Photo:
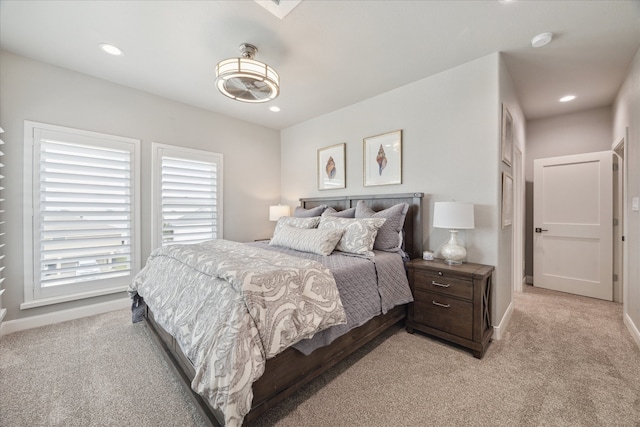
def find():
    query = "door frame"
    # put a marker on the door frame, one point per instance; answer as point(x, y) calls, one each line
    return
point(617, 147)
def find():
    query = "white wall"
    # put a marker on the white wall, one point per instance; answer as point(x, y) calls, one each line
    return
point(36, 91)
point(450, 125)
point(506, 235)
point(576, 133)
point(626, 114)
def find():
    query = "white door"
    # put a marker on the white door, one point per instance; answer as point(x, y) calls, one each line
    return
point(572, 214)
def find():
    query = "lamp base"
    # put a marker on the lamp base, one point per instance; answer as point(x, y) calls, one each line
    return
point(452, 252)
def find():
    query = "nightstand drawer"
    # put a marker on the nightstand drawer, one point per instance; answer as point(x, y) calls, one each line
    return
point(444, 284)
point(446, 314)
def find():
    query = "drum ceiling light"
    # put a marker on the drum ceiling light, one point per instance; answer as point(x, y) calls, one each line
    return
point(245, 79)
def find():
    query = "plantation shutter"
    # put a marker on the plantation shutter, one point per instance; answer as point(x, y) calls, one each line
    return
point(83, 227)
point(189, 199)
point(3, 311)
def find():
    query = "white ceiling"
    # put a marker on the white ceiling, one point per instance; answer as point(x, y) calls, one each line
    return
point(331, 54)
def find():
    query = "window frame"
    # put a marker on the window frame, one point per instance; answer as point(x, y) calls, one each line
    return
point(159, 150)
point(34, 294)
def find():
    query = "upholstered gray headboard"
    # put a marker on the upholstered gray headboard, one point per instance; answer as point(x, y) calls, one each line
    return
point(412, 223)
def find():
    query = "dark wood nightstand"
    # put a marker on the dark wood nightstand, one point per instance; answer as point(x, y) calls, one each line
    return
point(452, 302)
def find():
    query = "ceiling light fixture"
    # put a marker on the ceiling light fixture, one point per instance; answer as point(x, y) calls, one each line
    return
point(274, 108)
point(567, 98)
point(247, 80)
point(541, 39)
point(111, 49)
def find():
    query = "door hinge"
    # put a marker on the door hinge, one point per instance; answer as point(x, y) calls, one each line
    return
point(615, 277)
point(615, 222)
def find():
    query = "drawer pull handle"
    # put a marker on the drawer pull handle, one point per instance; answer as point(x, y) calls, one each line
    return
point(442, 285)
point(441, 305)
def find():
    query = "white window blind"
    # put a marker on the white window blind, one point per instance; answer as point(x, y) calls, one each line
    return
point(189, 195)
point(3, 311)
point(84, 215)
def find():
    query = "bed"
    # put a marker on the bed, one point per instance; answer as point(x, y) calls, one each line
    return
point(291, 369)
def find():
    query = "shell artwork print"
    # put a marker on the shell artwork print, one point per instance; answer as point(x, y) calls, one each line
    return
point(381, 158)
point(331, 168)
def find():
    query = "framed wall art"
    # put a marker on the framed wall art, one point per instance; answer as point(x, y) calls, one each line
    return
point(507, 135)
point(507, 199)
point(332, 167)
point(383, 159)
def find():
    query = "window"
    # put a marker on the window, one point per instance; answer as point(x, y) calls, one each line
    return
point(187, 195)
point(82, 228)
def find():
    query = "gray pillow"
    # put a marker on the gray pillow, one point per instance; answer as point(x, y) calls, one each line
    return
point(300, 212)
point(359, 234)
point(321, 242)
point(296, 222)
point(389, 236)
point(347, 213)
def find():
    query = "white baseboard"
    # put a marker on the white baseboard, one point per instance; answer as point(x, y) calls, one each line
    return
point(499, 330)
point(635, 333)
point(16, 325)
point(528, 280)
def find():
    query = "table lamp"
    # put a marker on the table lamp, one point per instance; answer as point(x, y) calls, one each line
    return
point(454, 216)
point(277, 211)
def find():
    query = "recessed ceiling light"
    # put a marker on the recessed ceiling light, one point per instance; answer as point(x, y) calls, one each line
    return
point(567, 98)
point(111, 49)
point(541, 39)
point(274, 108)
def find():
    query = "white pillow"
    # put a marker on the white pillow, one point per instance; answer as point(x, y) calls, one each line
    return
point(321, 242)
point(296, 222)
point(359, 233)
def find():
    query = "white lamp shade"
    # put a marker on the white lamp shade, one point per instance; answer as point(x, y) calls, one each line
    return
point(277, 211)
point(453, 215)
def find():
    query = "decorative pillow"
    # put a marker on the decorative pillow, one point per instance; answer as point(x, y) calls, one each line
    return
point(296, 222)
point(389, 236)
point(359, 234)
point(300, 212)
point(347, 213)
point(321, 242)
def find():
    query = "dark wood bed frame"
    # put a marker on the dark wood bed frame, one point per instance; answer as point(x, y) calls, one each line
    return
point(291, 370)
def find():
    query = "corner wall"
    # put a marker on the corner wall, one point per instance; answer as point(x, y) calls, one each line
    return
point(508, 236)
point(32, 90)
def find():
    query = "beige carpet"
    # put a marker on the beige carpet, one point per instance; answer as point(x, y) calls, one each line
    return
point(565, 361)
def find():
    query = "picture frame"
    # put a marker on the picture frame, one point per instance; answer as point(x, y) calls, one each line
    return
point(507, 135)
point(507, 200)
point(332, 167)
point(382, 155)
